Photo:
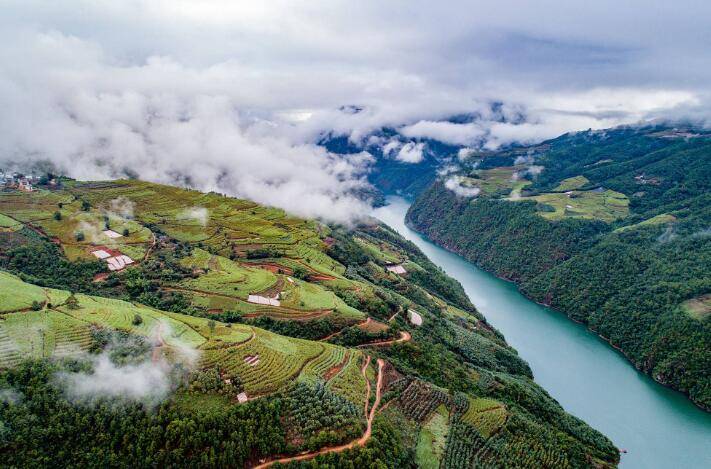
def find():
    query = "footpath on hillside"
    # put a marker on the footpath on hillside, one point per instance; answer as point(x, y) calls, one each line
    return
point(360, 441)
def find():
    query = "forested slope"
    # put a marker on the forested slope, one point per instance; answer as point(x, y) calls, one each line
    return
point(615, 231)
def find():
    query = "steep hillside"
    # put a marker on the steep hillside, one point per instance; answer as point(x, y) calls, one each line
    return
point(304, 341)
point(610, 227)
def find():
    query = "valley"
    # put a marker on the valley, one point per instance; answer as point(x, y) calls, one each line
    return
point(319, 342)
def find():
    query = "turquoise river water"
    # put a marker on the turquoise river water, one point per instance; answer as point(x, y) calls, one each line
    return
point(658, 427)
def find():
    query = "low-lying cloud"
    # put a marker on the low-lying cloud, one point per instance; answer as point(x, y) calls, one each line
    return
point(454, 184)
point(121, 207)
point(411, 152)
point(198, 214)
point(147, 382)
point(236, 104)
point(10, 396)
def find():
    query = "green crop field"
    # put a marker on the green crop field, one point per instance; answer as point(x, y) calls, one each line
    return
point(330, 359)
point(384, 256)
point(281, 360)
point(349, 381)
point(16, 294)
point(225, 276)
point(607, 206)
point(66, 331)
point(8, 224)
point(432, 439)
point(486, 415)
point(661, 219)
point(495, 181)
point(569, 184)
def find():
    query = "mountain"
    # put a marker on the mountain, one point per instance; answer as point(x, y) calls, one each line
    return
point(407, 159)
point(611, 227)
point(149, 325)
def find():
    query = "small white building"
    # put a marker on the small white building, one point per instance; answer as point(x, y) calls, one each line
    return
point(414, 317)
point(263, 300)
point(111, 234)
point(397, 269)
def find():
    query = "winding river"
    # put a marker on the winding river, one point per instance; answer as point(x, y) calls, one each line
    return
point(658, 427)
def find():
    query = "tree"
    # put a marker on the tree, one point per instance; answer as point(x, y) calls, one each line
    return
point(57, 215)
point(211, 324)
point(85, 206)
point(72, 302)
point(137, 320)
point(36, 305)
point(125, 231)
point(79, 236)
point(300, 273)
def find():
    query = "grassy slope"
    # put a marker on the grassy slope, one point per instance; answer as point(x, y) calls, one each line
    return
point(63, 330)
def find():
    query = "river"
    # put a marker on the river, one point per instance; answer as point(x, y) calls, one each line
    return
point(660, 428)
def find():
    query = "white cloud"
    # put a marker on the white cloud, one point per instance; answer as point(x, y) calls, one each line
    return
point(198, 214)
point(147, 382)
point(454, 184)
point(447, 132)
point(231, 96)
point(465, 153)
point(9, 396)
point(411, 152)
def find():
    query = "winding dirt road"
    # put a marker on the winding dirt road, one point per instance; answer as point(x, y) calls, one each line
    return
point(404, 337)
point(360, 441)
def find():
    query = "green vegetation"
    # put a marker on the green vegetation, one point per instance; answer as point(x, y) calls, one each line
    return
point(572, 183)
point(183, 307)
point(432, 440)
point(626, 252)
point(606, 206)
point(486, 415)
point(16, 295)
point(661, 219)
point(698, 308)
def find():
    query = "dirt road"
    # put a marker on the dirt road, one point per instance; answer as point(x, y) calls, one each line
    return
point(360, 441)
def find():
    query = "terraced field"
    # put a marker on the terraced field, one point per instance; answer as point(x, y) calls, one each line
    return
point(17, 295)
point(329, 362)
point(607, 205)
point(349, 381)
point(281, 360)
point(572, 183)
point(8, 224)
point(225, 276)
point(264, 361)
point(486, 415)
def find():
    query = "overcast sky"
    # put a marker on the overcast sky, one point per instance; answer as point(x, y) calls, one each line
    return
point(231, 95)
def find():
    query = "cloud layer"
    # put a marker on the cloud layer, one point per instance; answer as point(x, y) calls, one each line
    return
point(232, 96)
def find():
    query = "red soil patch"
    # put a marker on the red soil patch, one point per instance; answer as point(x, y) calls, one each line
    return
point(271, 267)
point(100, 277)
point(404, 337)
point(336, 368)
point(321, 277)
point(373, 326)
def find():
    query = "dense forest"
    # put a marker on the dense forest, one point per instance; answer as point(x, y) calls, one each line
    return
point(629, 279)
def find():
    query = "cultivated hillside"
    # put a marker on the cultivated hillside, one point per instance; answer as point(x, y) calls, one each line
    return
point(611, 227)
point(230, 334)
